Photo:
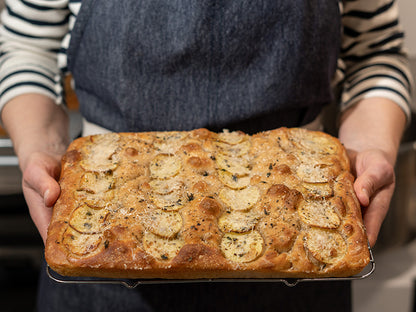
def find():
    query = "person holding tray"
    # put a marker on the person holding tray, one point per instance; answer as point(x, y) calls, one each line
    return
point(179, 65)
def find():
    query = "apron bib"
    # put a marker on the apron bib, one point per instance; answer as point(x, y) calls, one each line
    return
point(154, 65)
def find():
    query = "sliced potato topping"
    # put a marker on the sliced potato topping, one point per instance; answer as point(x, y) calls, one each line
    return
point(88, 220)
point(233, 181)
point(164, 166)
point(326, 246)
point(317, 190)
point(238, 221)
point(314, 173)
point(164, 187)
point(238, 149)
point(101, 153)
point(97, 182)
point(236, 165)
point(169, 142)
point(163, 223)
point(240, 199)
point(272, 195)
point(161, 248)
point(320, 144)
point(99, 200)
point(94, 163)
point(80, 244)
point(243, 248)
point(314, 159)
point(319, 213)
point(232, 138)
point(169, 202)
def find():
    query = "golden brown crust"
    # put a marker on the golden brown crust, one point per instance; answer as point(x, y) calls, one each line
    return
point(199, 204)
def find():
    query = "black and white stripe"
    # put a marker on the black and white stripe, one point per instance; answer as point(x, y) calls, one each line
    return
point(372, 53)
point(30, 38)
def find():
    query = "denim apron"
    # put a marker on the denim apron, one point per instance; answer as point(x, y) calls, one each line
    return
point(179, 64)
point(251, 65)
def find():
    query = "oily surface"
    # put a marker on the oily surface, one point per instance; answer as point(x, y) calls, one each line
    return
point(200, 204)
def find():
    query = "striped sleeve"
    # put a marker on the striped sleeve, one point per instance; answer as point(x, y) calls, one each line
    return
point(30, 39)
point(373, 60)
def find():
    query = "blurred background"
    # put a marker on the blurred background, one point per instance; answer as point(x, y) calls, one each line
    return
point(391, 288)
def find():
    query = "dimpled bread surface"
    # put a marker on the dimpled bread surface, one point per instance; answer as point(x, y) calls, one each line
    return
point(199, 204)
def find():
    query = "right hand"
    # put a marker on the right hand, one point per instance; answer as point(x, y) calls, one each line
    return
point(40, 187)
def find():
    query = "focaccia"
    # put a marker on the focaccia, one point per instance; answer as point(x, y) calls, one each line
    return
point(200, 204)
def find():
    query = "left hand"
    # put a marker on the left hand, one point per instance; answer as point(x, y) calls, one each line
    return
point(374, 187)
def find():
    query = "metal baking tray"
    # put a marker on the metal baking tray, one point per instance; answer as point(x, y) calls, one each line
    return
point(133, 283)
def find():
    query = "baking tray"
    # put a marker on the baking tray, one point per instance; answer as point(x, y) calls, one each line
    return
point(133, 283)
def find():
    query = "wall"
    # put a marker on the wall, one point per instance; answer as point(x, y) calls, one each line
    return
point(408, 20)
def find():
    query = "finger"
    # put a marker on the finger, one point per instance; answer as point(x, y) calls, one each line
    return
point(41, 191)
point(375, 213)
point(352, 155)
point(40, 214)
point(374, 178)
point(40, 188)
point(40, 181)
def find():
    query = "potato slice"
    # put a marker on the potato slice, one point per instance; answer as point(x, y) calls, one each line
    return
point(326, 246)
point(96, 182)
point(242, 199)
point(317, 190)
point(165, 166)
point(231, 138)
point(236, 165)
point(161, 248)
point(312, 143)
point(88, 220)
point(80, 244)
point(242, 248)
point(100, 200)
point(320, 213)
point(163, 223)
point(169, 142)
point(238, 149)
point(169, 202)
point(94, 163)
point(238, 221)
point(233, 181)
point(314, 173)
point(164, 187)
point(101, 153)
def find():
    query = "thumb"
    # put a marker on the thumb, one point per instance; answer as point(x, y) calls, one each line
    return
point(42, 180)
point(371, 180)
point(41, 191)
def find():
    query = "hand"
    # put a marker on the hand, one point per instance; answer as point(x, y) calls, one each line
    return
point(39, 131)
point(371, 131)
point(374, 187)
point(40, 188)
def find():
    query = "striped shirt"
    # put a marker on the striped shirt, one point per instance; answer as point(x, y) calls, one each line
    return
point(35, 35)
